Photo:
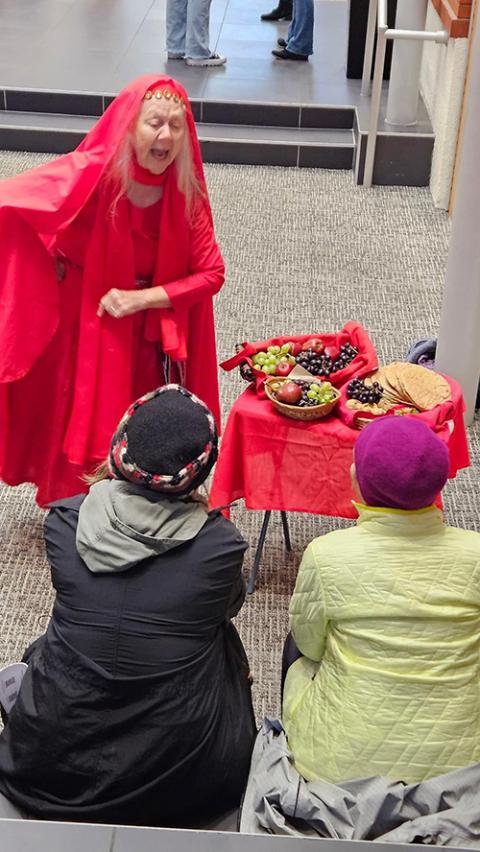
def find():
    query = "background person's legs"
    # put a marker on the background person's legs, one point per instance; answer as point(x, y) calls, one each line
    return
point(198, 29)
point(176, 27)
point(282, 12)
point(300, 31)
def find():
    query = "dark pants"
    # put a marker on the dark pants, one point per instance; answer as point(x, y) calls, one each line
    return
point(290, 654)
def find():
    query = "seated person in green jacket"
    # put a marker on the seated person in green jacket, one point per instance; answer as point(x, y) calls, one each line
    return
point(386, 616)
point(136, 703)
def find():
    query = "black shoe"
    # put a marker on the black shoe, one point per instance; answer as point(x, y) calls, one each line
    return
point(275, 15)
point(287, 54)
point(283, 12)
point(281, 42)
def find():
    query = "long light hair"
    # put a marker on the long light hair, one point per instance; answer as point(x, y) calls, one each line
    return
point(118, 171)
point(98, 474)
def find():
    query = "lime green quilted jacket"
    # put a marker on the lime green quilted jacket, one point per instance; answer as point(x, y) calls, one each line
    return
point(387, 616)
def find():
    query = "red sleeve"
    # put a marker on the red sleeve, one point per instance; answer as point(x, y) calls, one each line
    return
point(207, 270)
point(29, 310)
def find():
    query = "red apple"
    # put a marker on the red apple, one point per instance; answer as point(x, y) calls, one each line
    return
point(290, 393)
point(283, 368)
point(332, 352)
point(315, 343)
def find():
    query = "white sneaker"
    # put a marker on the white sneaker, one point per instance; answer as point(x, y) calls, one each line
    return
point(171, 55)
point(213, 59)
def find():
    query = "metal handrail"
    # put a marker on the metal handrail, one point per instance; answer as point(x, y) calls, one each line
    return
point(377, 14)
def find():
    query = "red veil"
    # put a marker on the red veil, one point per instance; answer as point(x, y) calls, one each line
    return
point(37, 206)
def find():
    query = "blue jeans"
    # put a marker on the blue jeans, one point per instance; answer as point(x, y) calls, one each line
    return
point(188, 28)
point(300, 31)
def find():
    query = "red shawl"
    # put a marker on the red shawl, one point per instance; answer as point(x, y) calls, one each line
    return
point(37, 205)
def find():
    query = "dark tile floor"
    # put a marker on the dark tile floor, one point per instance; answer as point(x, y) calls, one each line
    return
point(99, 45)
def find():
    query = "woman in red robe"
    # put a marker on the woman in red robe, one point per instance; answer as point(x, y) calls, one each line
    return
point(109, 266)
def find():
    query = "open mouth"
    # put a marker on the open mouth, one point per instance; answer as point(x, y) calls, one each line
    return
point(159, 155)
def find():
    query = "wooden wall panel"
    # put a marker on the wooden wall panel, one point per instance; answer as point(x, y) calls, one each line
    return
point(455, 16)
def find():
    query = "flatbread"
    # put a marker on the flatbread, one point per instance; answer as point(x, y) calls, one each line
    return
point(389, 391)
point(412, 385)
point(423, 387)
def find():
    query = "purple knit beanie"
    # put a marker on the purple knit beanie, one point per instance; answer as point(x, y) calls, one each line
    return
point(400, 463)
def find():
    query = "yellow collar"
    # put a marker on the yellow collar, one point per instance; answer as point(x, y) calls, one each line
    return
point(361, 507)
point(400, 521)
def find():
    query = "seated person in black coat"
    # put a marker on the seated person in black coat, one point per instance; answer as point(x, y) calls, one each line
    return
point(136, 707)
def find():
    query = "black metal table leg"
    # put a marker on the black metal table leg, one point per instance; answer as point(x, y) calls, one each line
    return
point(258, 553)
point(286, 531)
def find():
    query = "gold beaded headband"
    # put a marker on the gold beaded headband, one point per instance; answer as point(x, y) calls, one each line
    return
point(164, 93)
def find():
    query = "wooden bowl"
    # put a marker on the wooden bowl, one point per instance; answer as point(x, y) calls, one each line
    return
point(310, 412)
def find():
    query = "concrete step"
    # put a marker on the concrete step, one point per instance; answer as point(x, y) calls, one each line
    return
point(306, 146)
point(216, 111)
point(42, 132)
point(277, 146)
point(250, 132)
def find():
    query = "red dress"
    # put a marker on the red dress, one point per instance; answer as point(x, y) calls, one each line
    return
point(67, 376)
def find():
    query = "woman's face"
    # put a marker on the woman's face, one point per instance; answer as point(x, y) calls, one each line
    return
point(159, 134)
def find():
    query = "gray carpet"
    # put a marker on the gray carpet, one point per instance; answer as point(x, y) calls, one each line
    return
point(305, 251)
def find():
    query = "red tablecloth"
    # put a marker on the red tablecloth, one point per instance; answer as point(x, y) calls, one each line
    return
point(278, 463)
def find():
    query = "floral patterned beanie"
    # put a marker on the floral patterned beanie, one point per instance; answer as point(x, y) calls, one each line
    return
point(167, 441)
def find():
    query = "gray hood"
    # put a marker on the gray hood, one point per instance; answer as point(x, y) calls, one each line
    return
point(121, 524)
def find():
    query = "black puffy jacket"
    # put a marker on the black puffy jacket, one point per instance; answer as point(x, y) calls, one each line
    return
point(136, 704)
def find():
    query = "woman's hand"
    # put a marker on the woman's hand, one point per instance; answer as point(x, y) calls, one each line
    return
point(122, 303)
